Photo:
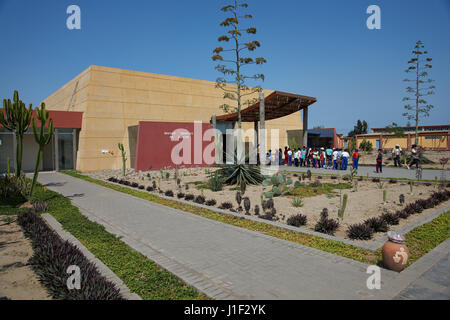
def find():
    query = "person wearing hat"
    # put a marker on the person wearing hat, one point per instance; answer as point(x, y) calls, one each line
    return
point(396, 152)
point(355, 158)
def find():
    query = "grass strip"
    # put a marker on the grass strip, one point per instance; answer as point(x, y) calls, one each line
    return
point(140, 274)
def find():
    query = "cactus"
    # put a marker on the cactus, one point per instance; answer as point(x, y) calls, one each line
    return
point(8, 170)
point(256, 210)
point(15, 117)
point(41, 138)
point(411, 186)
point(247, 205)
point(402, 198)
point(124, 157)
point(238, 198)
point(344, 205)
point(279, 184)
point(243, 186)
point(384, 195)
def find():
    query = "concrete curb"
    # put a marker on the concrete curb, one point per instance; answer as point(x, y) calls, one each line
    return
point(369, 245)
point(102, 268)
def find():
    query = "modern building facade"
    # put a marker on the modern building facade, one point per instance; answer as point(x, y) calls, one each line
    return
point(113, 102)
point(59, 154)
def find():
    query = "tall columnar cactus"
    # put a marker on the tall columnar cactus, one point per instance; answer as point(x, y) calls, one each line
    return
point(41, 138)
point(124, 157)
point(342, 209)
point(8, 170)
point(16, 118)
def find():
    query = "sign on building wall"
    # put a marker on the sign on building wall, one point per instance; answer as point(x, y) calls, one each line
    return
point(170, 144)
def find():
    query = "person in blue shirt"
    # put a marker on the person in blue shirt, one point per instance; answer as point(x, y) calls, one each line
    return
point(302, 157)
point(329, 153)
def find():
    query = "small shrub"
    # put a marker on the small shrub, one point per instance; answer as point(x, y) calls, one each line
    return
point(211, 202)
point(200, 199)
point(135, 184)
point(326, 225)
point(149, 188)
point(427, 184)
point(377, 224)
point(297, 202)
point(141, 187)
point(333, 177)
point(390, 218)
point(269, 215)
point(189, 197)
point(51, 258)
point(168, 193)
point(403, 214)
point(226, 205)
point(40, 206)
point(180, 195)
point(392, 181)
point(215, 184)
point(297, 220)
point(376, 180)
point(127, 183)
point(360, 232)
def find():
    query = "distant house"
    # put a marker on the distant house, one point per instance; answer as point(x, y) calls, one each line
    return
point(435, 137)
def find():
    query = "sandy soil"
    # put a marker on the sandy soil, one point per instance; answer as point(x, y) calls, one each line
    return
point(370, 159)
point(362, 204)
point(17, 280)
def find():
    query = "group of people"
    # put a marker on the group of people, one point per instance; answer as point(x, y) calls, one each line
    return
point(334, 158)
point(329, 158)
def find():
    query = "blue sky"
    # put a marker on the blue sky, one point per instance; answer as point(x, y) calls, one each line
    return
point(318, 48)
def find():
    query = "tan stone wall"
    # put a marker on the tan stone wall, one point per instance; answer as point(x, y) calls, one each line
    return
point(114, 99)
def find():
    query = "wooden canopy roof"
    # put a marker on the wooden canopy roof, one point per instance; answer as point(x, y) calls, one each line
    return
point(277, 104)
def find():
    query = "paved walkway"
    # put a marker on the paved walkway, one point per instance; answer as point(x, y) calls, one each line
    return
point(221, 260)
point(427, 174)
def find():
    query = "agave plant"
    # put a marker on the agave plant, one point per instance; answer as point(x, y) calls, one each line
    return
point(234, 174)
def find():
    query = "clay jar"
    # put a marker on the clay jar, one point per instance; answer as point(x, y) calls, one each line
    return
point(395, 253)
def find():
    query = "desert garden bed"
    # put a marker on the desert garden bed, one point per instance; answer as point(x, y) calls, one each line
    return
point(343, 206)
point(140, 274)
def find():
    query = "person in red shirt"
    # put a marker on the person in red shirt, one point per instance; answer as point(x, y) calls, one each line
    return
point(322, 157)
point(285, 156)
point(355, 158)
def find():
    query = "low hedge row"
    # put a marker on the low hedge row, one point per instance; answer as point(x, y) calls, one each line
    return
point(51, 258)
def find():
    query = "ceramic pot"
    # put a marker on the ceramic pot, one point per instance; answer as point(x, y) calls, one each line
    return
point(395, 253)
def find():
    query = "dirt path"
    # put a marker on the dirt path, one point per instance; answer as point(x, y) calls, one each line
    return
point(17, 280)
